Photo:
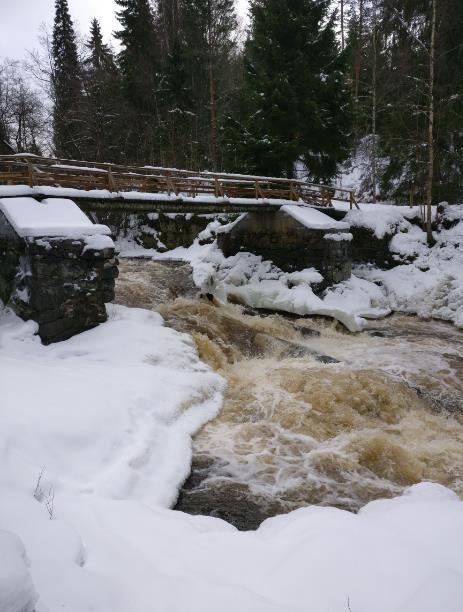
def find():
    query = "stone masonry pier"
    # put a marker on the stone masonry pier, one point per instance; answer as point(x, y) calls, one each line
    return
point(56, 267)
point(294, 238)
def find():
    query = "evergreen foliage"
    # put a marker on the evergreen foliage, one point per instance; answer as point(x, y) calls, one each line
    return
point(103, 103)
point(5, 147)
point(140, 67)
point(182, 93)
point(66, 85)
point(402, 89)
point(295, 104)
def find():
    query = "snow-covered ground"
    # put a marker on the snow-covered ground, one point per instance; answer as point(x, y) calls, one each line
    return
point(427, 281)
point(94, 442)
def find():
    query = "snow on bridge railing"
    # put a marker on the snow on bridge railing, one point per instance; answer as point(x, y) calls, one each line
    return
point(27, 169)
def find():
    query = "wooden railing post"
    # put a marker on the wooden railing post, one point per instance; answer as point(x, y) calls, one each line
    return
point(170, 185)
point(353, 201)
point(292, 192)
point(218, 189)
point(30, 170)
point(111, 181)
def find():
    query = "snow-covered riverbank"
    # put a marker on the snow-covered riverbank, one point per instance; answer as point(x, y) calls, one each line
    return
point(427, 281)
point(108, 416)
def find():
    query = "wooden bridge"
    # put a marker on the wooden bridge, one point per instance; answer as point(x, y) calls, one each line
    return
point(147, 188)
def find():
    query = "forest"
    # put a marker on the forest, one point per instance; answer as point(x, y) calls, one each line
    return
point(308, 88)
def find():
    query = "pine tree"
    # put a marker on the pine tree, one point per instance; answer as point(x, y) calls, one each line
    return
point(102, 104)
point(140, 67)
point(175, 92)
point(66, 85)
point(295, 105)
point(209, 35)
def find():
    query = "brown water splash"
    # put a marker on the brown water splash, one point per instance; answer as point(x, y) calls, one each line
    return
point(295, 430)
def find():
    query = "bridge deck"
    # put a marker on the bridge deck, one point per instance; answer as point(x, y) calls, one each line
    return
point(131, 187)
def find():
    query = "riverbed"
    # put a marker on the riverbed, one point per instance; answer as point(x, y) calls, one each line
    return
point(312, 414)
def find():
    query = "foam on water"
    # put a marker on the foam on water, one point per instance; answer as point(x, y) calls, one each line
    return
point(295, 430)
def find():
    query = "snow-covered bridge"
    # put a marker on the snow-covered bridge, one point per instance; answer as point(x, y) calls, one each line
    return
point(290, 222)
point(102, 186)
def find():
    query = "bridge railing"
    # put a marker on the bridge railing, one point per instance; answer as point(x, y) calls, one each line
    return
point(24, 169)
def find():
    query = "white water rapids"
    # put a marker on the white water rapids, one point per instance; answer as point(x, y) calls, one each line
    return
point(312, 414)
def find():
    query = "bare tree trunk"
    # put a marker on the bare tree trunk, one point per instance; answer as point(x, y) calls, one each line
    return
point(212, 96)
point(357, 68)
point(430, 179)
point(342, 25)
point(374, 178)
point(213, 116)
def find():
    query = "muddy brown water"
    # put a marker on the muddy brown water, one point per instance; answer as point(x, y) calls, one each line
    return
point(312, 414)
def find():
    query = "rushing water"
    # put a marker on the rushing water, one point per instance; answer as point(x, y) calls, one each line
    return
point(313, 414)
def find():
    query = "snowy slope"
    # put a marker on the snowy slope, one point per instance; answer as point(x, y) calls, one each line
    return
point(108, 417)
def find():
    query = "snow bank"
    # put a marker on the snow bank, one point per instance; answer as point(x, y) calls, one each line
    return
point(50, 217)
point(427, 281)
point(248, 279)
point(17, 593)
point(95, 433)
point(430, 281)
point(380, 218)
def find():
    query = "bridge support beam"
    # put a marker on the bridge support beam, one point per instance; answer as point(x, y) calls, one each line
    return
point(291, 245)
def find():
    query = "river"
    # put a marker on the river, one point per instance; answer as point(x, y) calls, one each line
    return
point(313, 414)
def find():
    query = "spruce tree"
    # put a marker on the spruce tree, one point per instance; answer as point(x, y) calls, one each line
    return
point(175, 93)
point(295, 105)
point(403, 40)
point(140, 68)
point(100, 55)
point(209, 28)
point(102, 104)
point(66, 85)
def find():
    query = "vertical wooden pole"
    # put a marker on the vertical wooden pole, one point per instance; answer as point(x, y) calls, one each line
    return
point(30, 170)
point(111, 182)
point(292, 191)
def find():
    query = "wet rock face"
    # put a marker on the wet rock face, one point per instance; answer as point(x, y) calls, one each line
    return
point(60, 283)
point(156, 230)
point(230, 501)
point(367, 248)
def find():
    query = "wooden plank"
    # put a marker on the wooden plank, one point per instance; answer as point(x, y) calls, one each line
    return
point(91, 175)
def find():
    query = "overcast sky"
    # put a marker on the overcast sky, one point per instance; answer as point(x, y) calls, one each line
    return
point(20, 21)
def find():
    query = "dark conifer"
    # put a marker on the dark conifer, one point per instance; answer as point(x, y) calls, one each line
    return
point(140, 70)
point(103, 103)
point(209, 28)
point(295, 104)
point(66, 85)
